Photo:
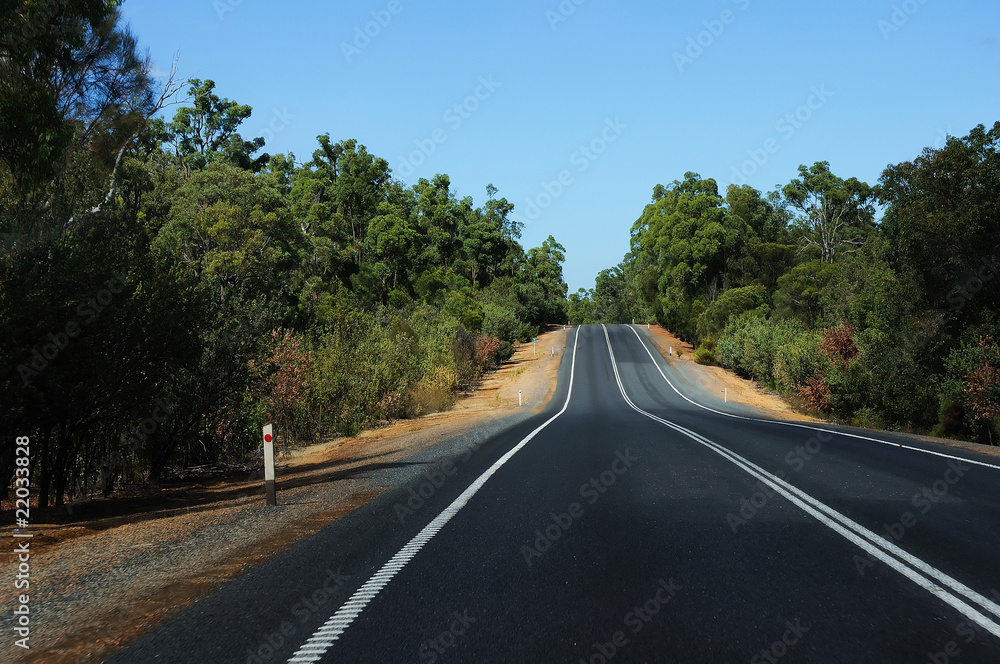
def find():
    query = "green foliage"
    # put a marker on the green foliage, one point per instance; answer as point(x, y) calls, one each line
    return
point(970, 388)
point(797, 360)
point(325, 297)
point(834, 215)
point(800, 291)
point(206, 131)
point(732, 303)
point(704, 355)
point(750, 344)
point(942, 222)
point(878, 323)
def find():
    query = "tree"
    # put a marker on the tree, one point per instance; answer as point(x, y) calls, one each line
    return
point(580, 308)
point(488, 236)
point(388, 243)
point(543, 290)
point(207, 131)
point(75, 96)
point(834, 214)
point(732, 303)
point(438, 221)
point(800, 292)
point(942, 223)
point(685, 238)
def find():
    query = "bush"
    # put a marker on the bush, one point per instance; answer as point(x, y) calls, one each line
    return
point(703, 356)
point(706, 352)
point(433, 393)
point(733, 302)
point(868, 418)
point(816, 393)
point(750, 345)
point(501, 321)
point(796, 361)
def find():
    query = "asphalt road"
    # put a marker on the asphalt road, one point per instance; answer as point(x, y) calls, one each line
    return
point(627, 523)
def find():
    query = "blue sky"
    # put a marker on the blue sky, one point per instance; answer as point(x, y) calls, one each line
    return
point(580, 107)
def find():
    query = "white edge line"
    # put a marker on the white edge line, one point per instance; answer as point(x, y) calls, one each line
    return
point(805, 426)
point(823, 514)
point(322, 640)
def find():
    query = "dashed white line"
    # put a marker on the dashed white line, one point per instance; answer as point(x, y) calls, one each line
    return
point(322, 640)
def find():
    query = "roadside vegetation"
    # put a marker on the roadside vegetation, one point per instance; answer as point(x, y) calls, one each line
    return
point(875, 305)
point(166, 286)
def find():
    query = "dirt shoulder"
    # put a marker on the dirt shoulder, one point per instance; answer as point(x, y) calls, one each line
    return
point(717, 379)
point(769, 404)
point(114, 569)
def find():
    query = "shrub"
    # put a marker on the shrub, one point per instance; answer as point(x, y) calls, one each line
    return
point(733, 303)
point(868, 418)
point(837, 344)
point(501, 320)
point(796, 361)
point(816, 393)
point(705, 353)
point(433, 393)
point(750, 345)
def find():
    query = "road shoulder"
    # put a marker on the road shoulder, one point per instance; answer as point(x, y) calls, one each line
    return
point(105, 582)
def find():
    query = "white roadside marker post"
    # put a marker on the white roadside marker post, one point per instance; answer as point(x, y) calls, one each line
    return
point(519, 398)
point(725, 394)
point(269, 465)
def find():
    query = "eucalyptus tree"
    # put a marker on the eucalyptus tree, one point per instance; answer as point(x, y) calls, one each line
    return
point(833, 215)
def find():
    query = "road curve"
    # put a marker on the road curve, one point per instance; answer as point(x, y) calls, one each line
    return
point(629, 523)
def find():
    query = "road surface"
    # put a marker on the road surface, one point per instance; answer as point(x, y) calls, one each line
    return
point(629, 523)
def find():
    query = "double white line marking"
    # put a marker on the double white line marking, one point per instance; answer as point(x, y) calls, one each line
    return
point(952, 592)
point(804, 426)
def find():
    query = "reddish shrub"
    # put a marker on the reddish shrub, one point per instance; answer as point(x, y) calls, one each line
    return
point(837, 344)
point(486, 352)
point(816, 393)
point(982, 384)
point(284, 376)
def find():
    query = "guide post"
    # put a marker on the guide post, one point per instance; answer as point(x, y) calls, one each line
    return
point(269, 464)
